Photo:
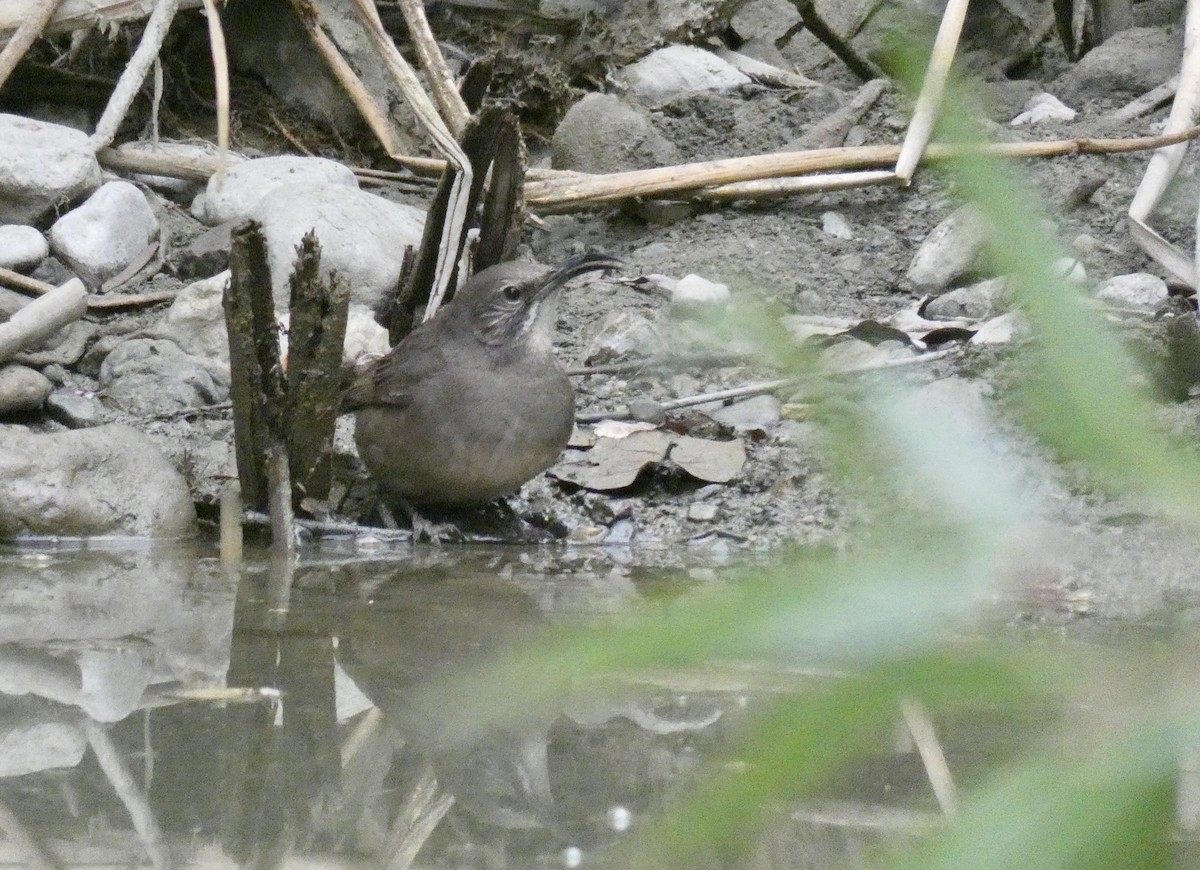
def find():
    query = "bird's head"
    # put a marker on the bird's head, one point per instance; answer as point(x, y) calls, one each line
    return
point(514, 303)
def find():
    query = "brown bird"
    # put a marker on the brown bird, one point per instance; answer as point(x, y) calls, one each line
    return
point(473, 402)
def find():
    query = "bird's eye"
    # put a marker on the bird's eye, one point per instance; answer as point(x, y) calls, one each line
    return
point(512, 293)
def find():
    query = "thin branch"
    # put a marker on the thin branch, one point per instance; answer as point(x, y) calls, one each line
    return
point(136, 804)
point(929, 101)
point(135, 73)
point(816, 25)
point(220, 62)
point(580, 188)
point(42, 317)
point(31, 28)
point(454, 110)
point(924, 735)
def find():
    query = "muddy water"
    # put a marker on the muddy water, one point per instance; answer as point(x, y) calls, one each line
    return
point(159, 711)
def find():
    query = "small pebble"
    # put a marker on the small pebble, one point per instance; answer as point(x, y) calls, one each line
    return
point(587, 535)
point(694, 290)
point(1071, 269)
point(21, 247)
point(619, 818)
point(833, 224)
point(647, 411)
point(702, 511)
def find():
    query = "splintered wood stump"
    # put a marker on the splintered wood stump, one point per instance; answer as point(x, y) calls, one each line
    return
point(492, 143)
point(257, 387)
point(314, 366)
point(279, 406)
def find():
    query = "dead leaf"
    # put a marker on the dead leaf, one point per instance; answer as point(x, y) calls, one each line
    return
point(613, 463)
point(711, 461)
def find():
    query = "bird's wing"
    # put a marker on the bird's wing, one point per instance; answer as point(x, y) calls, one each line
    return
point(392, 379)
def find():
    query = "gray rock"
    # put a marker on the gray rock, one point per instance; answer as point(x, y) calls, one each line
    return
point(267, 40)
point(234, 195)
point(977, 302)
point(10, 303)
point(33, 738)
point(624, 335)
point(21, 246)
point(950, 251)
point(1139, 290)
point(676, 71)
point(766, 20)
point(103, 236)
point(1006, 98)
point(702, 512)
point(362, 236)
point(53, 271)
point(1130, 62)
point(196, 319)
point(155, 376)
point(22, 390)
point(207, 254)
point(601, 133)
point(73, 409)
point(576, 8)
point(42, 167)
point(106, 480)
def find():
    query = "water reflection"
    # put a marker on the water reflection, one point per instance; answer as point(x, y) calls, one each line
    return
point(158, 712)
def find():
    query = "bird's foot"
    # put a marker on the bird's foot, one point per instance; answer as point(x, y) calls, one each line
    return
point(426, 530)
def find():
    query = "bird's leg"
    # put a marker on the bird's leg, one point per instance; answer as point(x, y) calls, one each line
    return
point(424, 529)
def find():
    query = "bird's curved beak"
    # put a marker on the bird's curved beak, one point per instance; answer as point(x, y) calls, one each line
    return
point(574, 267)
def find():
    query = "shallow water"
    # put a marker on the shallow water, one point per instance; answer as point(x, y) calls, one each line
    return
point(158, 710)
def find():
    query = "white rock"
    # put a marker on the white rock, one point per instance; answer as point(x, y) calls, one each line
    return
point(1044, 107)
point(362, 236)
point(42, 167)
point(196, 322)
point(833, 224)
point(196, 319)
point(103, 236)
point(999, 330)
point(234, 194)
point(21, 246)
point(950, 251)
point(1137, 290)
point(694, 290)
point(973, 303)
point(678, 70)
point(1071, 269)
point(363, 335)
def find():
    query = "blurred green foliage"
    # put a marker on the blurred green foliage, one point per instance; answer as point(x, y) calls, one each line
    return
point(901, 613)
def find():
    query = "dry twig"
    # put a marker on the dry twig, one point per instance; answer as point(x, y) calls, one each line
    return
point(42, 317)
point(920, 127)
point(578, 188)
point(135, 73)
point(31, 28)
